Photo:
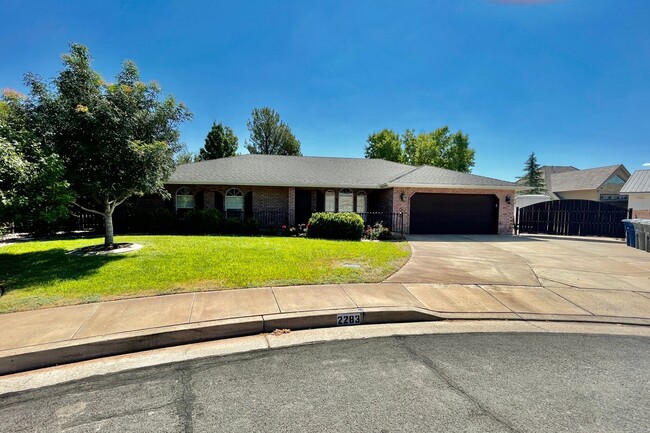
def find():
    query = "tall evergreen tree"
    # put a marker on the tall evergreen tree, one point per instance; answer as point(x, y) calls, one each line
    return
point(533, 176)
point(221, 142)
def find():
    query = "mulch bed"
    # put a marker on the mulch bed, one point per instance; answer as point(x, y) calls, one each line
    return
point(94, 250)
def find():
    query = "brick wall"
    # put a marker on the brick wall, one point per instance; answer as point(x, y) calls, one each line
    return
point(506, 211)
point(641, 213)
point(264, 197)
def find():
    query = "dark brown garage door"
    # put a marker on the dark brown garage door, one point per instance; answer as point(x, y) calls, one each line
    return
point(454, 214)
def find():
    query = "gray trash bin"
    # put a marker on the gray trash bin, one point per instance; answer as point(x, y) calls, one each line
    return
point(639, 234)
point(645, 225)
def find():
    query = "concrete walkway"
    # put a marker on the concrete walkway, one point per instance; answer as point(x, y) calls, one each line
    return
point(526, 279)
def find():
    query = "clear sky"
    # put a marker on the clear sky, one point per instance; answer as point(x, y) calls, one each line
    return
point(568, 79)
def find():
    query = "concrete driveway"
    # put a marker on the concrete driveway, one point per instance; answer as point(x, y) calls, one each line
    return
point(546, 261)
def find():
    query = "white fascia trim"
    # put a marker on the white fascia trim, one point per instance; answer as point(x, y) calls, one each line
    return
point(426, 185)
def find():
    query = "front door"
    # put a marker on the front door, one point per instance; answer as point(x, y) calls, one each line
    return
point(303, 206)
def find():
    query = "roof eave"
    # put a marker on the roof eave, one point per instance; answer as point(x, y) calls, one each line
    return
point(447, 186)
point(278, 185)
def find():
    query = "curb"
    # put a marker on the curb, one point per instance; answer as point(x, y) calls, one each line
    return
point(51, 354)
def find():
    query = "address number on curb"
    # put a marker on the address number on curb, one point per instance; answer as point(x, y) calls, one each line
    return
point(348, 319)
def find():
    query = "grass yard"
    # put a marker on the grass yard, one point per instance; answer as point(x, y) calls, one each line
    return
point(41, 274)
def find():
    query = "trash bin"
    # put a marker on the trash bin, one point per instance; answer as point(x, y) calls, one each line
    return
point(629, 233)
point(639, 234)
point(645, 224)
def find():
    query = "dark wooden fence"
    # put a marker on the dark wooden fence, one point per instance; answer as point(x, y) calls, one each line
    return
point(572, 218)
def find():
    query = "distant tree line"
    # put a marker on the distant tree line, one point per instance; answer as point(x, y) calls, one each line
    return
point(268, 135)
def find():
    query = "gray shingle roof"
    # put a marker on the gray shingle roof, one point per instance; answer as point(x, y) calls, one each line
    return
point(439, 177)
point(550, 170)
point(322, 172)
point(638, 182)
point(591, 178)
point(277, 170)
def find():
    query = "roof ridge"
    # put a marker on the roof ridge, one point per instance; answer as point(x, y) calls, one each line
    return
point(405, 173)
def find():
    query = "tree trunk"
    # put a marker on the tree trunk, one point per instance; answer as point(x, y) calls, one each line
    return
point(108, 222)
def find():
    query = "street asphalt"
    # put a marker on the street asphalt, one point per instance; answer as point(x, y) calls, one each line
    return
point(490, 382)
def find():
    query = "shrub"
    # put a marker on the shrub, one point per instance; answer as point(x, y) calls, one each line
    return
point(232, 226)
point(206, 221)
point(378, 232)
point(251, 226)
point(345, 225)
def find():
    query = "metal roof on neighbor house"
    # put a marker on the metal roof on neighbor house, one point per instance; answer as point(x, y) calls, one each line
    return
point(638, 182)
point(591, 178)
point(322, 172)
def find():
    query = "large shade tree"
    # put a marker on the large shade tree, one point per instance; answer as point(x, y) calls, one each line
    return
point(384, 144)
point(269, 135)
point(440, 148)
point(115, 140)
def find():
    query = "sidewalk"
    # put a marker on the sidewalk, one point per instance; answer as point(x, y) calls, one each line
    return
point(40, 338)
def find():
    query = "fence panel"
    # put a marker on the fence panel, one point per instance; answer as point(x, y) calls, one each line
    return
point(572, 218)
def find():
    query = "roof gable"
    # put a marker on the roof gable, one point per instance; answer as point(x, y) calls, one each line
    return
point(588, 179)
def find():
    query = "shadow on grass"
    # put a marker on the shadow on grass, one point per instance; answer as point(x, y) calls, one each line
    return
point(19, 271)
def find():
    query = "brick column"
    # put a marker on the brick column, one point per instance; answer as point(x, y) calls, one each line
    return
point(292, 206)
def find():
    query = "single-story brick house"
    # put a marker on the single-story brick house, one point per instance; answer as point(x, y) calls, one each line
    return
point(427, 199)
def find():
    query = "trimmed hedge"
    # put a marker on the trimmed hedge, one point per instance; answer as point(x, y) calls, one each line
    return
point(328, 225)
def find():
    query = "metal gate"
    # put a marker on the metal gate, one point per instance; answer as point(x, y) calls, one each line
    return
point(572, 218)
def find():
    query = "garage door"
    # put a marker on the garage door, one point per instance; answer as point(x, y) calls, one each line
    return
point(454, 214)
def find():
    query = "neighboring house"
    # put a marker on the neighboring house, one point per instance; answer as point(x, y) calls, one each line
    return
point(637, 188)
point(596, 184)
point(431, 199)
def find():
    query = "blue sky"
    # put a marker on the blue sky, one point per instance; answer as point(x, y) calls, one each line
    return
point(569, 80)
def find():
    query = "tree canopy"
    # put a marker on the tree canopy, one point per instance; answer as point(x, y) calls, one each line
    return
point(440, 148)
point(533, 176)
point(221, 142)
point(386, 145)
point(269, 135)
point(115, 140)
point(33, 191)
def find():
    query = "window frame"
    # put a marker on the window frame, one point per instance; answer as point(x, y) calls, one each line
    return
point(187, 193)
point(233, 193)
point(365, 202)
point(332, 196)
point(346, 193)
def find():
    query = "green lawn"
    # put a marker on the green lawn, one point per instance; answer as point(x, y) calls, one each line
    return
point(41, 274)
